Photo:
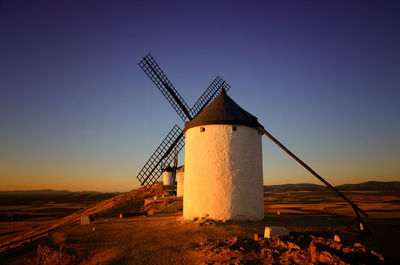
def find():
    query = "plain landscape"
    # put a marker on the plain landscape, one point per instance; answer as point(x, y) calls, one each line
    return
point(153, 232)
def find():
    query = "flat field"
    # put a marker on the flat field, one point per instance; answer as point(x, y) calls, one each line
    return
point(166, 239)
point(377, 204)
point(19, 213)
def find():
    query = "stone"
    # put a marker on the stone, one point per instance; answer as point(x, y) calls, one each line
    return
point(361, 227)
point(358, 245)
point(292, 246)
point(326, 257)
point(347, 249)
point(377, 254)
point(289, 250)
point(151, 212)
point(335, 245)
point(312, 250)
point(86, 219)
point(271, 231)
point(281, 245)
point(255, 237)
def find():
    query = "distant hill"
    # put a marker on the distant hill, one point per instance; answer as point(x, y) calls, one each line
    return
point(370, 185)
point(294, 187)
point(46, 192)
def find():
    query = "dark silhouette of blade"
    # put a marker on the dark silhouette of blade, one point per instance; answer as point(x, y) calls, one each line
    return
point(209, 95)
point(153, 70)
point(153, 168)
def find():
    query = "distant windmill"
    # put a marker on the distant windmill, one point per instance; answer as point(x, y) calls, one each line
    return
point(175, 167)
point(169, 175)
point(174, 141)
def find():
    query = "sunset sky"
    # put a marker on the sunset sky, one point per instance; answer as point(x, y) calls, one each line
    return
point(78, 113)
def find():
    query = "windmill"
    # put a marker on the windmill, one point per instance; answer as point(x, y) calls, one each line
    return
point(175, 167)
point(165, 153)
point(223, 156)
point(174, 141)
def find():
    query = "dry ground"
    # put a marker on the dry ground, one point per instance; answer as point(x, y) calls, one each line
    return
point(166, 239)
point(23, 213)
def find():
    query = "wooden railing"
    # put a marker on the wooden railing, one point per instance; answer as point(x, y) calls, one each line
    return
point(13, 244)
point(7, 246)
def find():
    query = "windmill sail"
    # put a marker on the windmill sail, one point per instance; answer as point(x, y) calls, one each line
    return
point(153, 168)
point(209, 95)
point(356, 209)
point(153, 70)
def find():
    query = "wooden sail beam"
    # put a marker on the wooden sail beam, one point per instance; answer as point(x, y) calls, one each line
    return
point(356, 209)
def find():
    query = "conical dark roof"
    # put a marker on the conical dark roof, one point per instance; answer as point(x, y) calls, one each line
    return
point(223, 110)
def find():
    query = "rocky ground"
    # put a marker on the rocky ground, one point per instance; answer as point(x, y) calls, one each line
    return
point(300, 249)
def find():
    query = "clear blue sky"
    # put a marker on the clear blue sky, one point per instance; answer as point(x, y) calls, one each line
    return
point(77, 112)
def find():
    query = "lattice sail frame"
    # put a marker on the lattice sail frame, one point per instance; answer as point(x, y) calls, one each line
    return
point(153, 168)
point(209, 95)
point(163, 155)
point(154, 72)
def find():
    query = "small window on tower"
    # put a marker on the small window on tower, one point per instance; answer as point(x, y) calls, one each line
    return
point(234, 128)
point(202, 129)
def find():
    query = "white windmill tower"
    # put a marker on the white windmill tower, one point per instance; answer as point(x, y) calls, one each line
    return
point(223, 163)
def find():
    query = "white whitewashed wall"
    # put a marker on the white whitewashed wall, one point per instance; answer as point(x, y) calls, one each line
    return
point(223, 173)
point(167, 178)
